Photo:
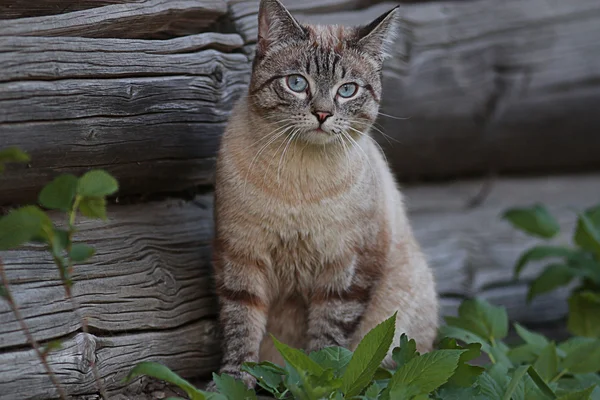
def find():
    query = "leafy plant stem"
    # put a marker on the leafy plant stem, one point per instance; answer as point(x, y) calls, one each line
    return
point(69, 294)
point(34, 343)
point(559, 375)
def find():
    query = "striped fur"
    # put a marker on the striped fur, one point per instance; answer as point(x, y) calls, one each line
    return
point(312, 241)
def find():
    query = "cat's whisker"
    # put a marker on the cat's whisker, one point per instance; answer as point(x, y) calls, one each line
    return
point(356, 144)
point(368, 123)
point(393, 117)
point(277, 133)
point(290, 140)
point(373, 140)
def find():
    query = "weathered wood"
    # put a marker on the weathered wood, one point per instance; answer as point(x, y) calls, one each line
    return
point(151, 271)
point(10, 9)
point(144, 19)
point(151, 112)
point(191, 350)
point(151, 275)
point(484, 83)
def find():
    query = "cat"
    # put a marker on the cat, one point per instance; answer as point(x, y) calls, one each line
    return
point(312, 240)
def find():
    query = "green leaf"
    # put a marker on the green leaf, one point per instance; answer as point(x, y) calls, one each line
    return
point(372, 392)
point(524, 354)
point(336, 358)
point(93, 207)
point(405, 352)
point(581, 395)
point(163, 373)
point(491, 388)
point(60, 193)
point(22, 225)
point(481, 318)
point(584, 314)
point(584, 359)
point(463, 334)
point(233, 389)
point(535, 220)
point(52, 346)
point(587, 234)
point(465, 374)
point(514, 382)
point(537, 379)
point(367, 357)
point(531, 337)
point(297, 359)
point(553, 276)
point(13, 155)
point(97, 183)
point(539, 253)
point(547, 363)
point(268, 375)
point(426, 372)
point(81, 252)
point(3, 291)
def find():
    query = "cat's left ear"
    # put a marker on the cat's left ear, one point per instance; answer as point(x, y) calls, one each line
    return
point(377, 38)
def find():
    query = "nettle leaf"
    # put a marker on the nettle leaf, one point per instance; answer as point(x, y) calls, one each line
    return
point(542, 252)
point(547, 363)
point(554, 276)
point(336, 358)
point(535, 220)
point(581, 395)
point(583, 359)
point(367, 357)
point(524, 354)
point(372, 392)
point(405, 352)
point(481, 318)
point(584, 314)
point(539, 381)
point(13, 155)
point(531, 337)
point(297, 359)
point(81, 252)
point(268, 375)
point(97, 183)
point(163, 373)
point(465, 374)
point(464, 335)
point(516, 378)
point(426, 372)
point(93, 207)
point(232, 388)
point(22, 225)
point(60, 193)
point(587, 236)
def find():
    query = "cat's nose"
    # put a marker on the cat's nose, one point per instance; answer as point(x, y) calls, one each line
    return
point(322, 115)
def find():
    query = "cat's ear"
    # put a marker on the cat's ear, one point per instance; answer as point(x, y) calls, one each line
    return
point(275, 24)
point(377, 38)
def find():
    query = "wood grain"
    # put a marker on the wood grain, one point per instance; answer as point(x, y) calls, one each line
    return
point(151, 275)
point(482, 84)
point(150, 112)
point(10, 9)
point(148, 19)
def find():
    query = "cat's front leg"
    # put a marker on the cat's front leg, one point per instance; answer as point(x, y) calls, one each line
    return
point(335, 313)
point(241, 288)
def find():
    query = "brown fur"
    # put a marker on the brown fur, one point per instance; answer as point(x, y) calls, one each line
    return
point(312, 240)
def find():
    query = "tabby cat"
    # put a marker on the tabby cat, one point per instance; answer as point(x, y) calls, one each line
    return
point(312, 240)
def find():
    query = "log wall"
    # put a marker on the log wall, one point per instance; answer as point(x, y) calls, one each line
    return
point(143, 88)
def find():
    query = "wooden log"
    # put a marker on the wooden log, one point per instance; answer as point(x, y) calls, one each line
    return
point(151, 276)
point(146, 19)
point(10, 9)
point(151, 112)
point(191, 350)
point(484, 85)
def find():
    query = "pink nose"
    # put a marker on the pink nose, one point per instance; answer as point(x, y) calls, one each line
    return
point(322, 115)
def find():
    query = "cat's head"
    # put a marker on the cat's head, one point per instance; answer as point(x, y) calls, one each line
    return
point(318, 82)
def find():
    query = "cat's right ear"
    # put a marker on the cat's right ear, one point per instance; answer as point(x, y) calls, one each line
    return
point(275, 24)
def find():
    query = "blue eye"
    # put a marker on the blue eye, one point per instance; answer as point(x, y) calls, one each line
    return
point(348, 90)
point(297, 83)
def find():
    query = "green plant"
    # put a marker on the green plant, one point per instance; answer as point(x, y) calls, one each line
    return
point(30, 224)
point(535, 369)
point(579, 261)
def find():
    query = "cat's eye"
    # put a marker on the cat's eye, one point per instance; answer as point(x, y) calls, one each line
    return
point(297, 83)
point(348, 90)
